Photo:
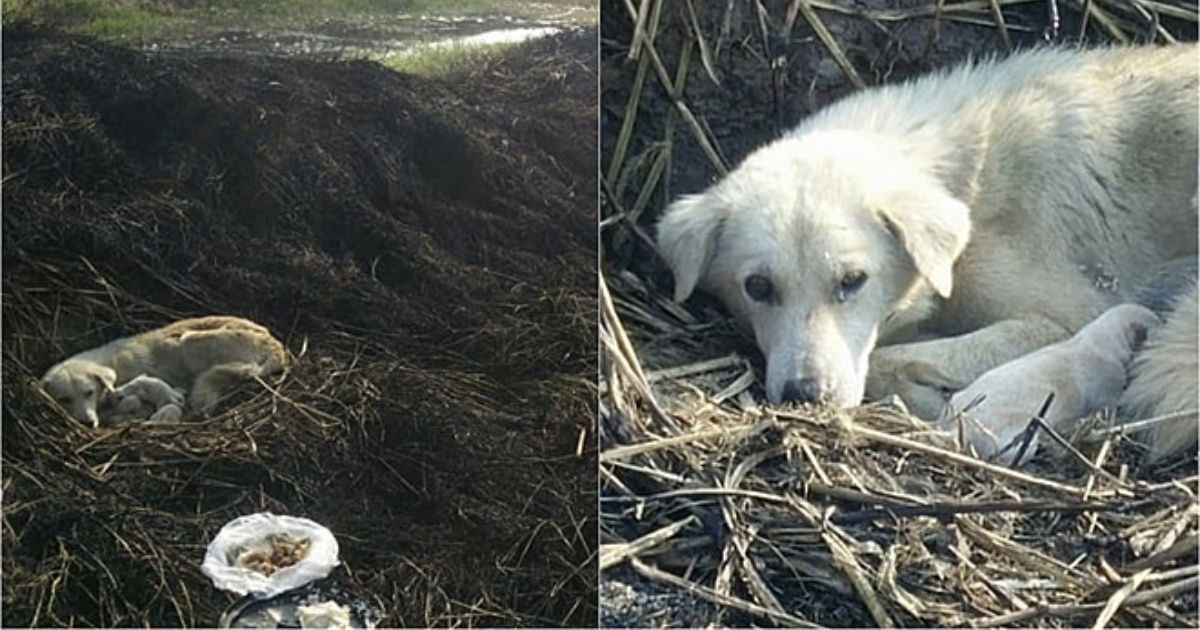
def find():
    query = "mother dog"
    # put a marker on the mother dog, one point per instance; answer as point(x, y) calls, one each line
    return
point(206, 356)
point(950, 224)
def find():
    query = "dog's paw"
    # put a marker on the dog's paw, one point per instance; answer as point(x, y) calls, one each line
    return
point(885, 373)
point(927, 401)
point(169, 412)
point(924, 389)
point(176, 396)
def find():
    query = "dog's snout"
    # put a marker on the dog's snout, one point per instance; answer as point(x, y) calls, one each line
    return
point(803, 390)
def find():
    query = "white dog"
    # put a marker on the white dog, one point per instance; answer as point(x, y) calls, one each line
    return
point(963, 219)
point(1086, 374)
point(204, 356)
point(1163, 379)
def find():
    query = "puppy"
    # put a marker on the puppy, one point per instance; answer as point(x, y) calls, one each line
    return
point(143, 397)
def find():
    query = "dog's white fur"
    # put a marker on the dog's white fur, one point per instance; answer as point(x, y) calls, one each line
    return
point(992, 210)
point(1163, 380)
point(1086, 374)
point(203, 356)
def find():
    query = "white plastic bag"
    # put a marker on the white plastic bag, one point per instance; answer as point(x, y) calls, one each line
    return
point(252, 530)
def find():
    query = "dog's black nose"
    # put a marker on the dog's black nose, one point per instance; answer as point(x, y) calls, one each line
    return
point(803, 390)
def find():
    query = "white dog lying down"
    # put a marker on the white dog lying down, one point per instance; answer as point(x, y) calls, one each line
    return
point(203, 357)
point(954, 223)
point(1086, 374)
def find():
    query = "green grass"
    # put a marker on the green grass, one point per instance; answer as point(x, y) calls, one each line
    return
point(118, 19)
point(441, 60)
point(128, 22)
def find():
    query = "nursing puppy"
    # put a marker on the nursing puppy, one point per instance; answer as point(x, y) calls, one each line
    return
point(143, 397)
point(949, 224)
point(205, 356)
point(1086, 374)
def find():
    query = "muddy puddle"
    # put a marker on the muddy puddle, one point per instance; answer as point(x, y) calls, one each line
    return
point(368, 36)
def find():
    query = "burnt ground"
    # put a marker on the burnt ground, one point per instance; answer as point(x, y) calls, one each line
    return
point(425, 247)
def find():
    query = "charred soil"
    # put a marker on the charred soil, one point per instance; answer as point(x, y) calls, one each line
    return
point(425, 247)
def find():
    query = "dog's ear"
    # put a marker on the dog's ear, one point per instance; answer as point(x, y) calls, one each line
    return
point(934, 230)
point(687, 239)
point(106, 379)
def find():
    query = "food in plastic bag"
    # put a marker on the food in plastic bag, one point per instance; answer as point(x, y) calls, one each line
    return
point(265, 554)
point(273, 554)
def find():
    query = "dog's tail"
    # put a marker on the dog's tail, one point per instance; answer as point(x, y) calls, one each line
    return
point(1163, 379)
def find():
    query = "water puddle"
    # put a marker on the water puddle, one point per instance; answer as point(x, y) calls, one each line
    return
point(368, 36)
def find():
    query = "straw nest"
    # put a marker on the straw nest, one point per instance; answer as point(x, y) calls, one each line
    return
point(425, 249)
point(716, 510)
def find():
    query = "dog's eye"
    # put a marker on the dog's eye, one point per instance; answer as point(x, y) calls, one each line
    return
point(759, 288)
point(850, 284)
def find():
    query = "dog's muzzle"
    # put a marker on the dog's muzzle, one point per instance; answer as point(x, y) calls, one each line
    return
point(804, 390)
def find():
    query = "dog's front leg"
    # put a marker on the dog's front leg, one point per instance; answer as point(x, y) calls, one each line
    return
point(926, 373)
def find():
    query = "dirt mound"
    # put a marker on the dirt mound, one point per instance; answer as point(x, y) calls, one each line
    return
point(426, 247)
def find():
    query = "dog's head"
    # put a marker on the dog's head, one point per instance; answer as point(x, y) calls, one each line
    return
point(80, 387)
point(817, 242)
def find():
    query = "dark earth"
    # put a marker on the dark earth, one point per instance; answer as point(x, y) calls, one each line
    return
point(425, 247)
